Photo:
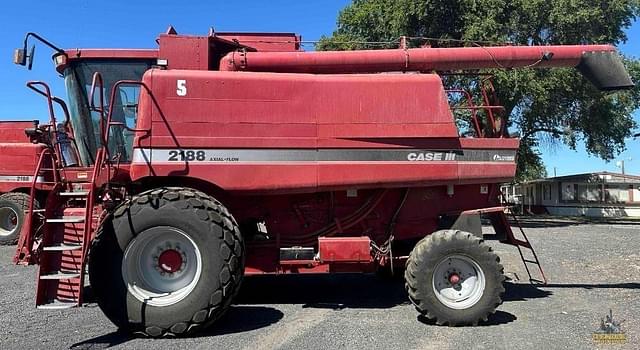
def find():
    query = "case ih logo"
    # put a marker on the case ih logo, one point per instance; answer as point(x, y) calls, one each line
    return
point(427, 156)
point(499, 158)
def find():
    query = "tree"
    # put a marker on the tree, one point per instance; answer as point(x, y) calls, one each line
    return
point(544, 105)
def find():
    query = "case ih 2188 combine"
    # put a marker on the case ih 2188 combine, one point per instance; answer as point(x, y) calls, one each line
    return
point(219, 156)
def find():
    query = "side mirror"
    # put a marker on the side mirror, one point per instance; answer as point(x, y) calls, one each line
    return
point(30, 57)
point(22, 58)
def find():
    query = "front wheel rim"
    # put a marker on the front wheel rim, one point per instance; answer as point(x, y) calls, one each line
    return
point(458, 282)
point(8, 221)
point(161, 266)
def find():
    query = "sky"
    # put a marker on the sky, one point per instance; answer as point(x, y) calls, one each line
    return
point(136, 24)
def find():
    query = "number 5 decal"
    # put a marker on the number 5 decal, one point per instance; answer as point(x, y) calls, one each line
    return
point(181, 88)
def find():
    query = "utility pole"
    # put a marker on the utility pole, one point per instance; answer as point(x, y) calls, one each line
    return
point(554, 172)
point(620, 164)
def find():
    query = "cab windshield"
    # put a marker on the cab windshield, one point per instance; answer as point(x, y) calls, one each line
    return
point(86, 123)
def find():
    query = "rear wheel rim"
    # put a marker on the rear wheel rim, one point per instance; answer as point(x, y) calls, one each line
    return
point(8, 221)
point(161, 266)
point(458, 282)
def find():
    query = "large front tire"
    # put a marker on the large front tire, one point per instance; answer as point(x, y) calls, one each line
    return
point(167, 262)
point(452, 277)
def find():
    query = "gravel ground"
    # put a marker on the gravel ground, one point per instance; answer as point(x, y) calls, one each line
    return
point(591, 268)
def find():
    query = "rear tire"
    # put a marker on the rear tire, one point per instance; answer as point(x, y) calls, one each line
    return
point(13, 206)
point(452, 277)
point(167, 262)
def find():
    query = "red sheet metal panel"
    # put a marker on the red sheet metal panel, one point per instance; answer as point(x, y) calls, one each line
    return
point(245, 131)
point(13, 131)
point(259, 105)
point(18, 157)
point(345, 249)
point(256, 98)
point(289, 114)
point(185, 52)
point(265, 42)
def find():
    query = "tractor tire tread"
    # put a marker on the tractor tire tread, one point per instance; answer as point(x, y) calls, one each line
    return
point(220, 297)
point(22, 200)
point(421, 259)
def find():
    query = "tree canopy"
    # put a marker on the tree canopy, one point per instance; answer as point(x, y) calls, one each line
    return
point(545, 106)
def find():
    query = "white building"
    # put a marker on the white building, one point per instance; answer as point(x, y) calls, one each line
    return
point(601, 194)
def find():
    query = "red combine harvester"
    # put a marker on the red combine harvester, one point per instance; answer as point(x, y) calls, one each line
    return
point(219, 156)
point(18, 157)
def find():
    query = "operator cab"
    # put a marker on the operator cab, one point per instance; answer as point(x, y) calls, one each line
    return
point(81, 135)
point(86, 121)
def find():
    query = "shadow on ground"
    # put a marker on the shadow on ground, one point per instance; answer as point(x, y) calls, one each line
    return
point(498, 318)
point(336, 291)
point(629, 285)
point(523, 292)
point(239, 318)
point(542, 221)
point(252, 308)
point(103, 342)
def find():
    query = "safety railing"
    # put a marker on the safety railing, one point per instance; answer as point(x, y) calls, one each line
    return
point(51, 127)
point(24, 251)
point(489, 127)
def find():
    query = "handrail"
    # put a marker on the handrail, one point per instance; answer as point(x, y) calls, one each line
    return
point(485, 83)
point(488, 81)
point(474, 115)
point(485, 99)
point(97, 82)
point(53, 127)
point(26, 239)
point(46, 93)
point(112, 97)
point(123, 125)
point(100, 160)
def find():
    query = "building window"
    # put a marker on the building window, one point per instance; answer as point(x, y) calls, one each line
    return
point(617, 194)
point(568, 192)
point(589, 192)
point(636, 193)
point(546, 192)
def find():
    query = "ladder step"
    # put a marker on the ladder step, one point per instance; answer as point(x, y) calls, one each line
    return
point(60, 275)
point(67, 219)
point(36, 211)
point(63, 247)
point(57, 305)
point(74, 194)
point(530, 261)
